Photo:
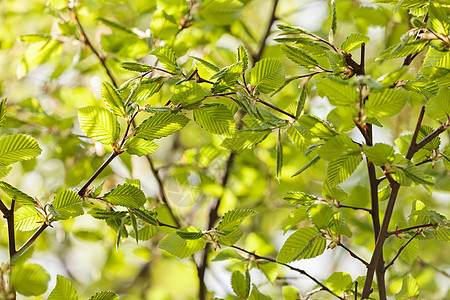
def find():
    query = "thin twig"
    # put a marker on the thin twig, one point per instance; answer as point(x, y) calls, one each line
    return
point(275, 108)
point(400, 250)
point(32, 239)
point(257, 56)
point(353, 254)
point(398, 231)
point(354, 207)
point(412, 147)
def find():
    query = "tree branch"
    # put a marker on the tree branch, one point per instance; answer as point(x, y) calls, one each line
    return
point(32, 239)
point(400, 250)
point(354, 207)
point(257, 56)
point(290, 267)
point(413, 145)
point(275, 108)
point(353, 254)
point(398, 231)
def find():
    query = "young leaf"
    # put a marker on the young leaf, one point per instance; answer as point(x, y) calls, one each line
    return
point(297, 215)
point(112, 99)
point(438, 107)
point(267, 75)
point(311, 126)
point(245, 139)
point(63, 290)
point(385, 102)
point(17, 147)
point(102, 214)
point(4, 170)
point(2, 111)
point(341, 168)
point(439, 19)
point(337, 91)
point(166, 57)
point(187, 93)
point(161, 125)
point(164, 27)
point(230, 238)
point(27, 218)
point(257, 295)
point(279, 149)
point(337, 146)
point(135, 66)
point(413, 173)
point(410, 252)
point(233, 218)
point(242, 56)
point(228, 254)
point(146, 216)
point(190, 233)
point(339, 282)
point(126, 195)
point(299, 198)
point(180, 247)
point(209, 66)
point(354, 41)
point(299, 57)
point(16, 194)
point(104, 295)
point(410, 289)
point(216, 118)
point(29, 279)
point(68, 205)
point(338, 226)
point(311, 163)
point(401, 50)
point(227, 77)
point(379, 154)
point(220, 12)
point(333, 17)
point(99, 124)
point(321, 215)
point(304, 243)
point(140, 147)
point(241, 284)
point(301, 100)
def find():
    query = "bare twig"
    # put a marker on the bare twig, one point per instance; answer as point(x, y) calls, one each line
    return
point(353, 254)
point(403, 230)
point(354, 207)
point(400, 250)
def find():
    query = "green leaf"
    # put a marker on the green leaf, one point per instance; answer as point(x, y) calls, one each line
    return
point(68, 205)
point(297, 215)
point(269, 269)
point(180, 247)
point(187, 93)
point(311, 126)
point(321, 215)
point(164, 27)
point(146, 216)
point(410, 252)
point(443, 234)
point(241, 284)
point(245, 139)
point(113, 25)
point(299, 56)
point(342, 117)
point(126, 195)
point(257, 295)
point(279, 149)
point(337, 146)
point(341, 168)
point(439, 18)
point(304, 243)
point(233, 218)
point(267, 75)
point(299, 198)
point(161, 125)
point(220, 12)
point(2, 111)
point(227, 77)
point(354, 41)
point(288, 29)
point(209, 66)
point(228, 254)
point(26, 218)
point(242, 56)
point(4, 170)
point(16, 194)
point(29, 279)
point(379, 154)
point(333, 17)
point(338, 226)
point(17, 147)
point(140, 147)
point(104, 295)
point(438, 107)
point(339, 282)
point(290, 293)
point(63, 290)
point(230, 238)
point(337, 91)
point(102, 214)
point(216, 118)
point(384, 103)
point(167, 58)
point(112, 99)
point(410, 289)
point(402, 49)
point(135, 66)
point(301, 100)
point(411, 172)
point(311, 163)
point(190, 233)
point(99, 124)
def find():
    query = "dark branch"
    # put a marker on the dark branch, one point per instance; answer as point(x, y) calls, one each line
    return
point(275, 108)
point(257, 56)
point(32, 239)
point(412, 147)
point(353, 254)
point(400, 250)
point(354, 207)
point(398, 231)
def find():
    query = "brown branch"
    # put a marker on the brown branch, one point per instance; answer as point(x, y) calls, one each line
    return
point(413, 145)
point(400, 250)
point(257, 56)
point(290, 267)
point(432, 135)
point(275, 108)
point(398, 231)
point(353, 254)
point(32, 239)
point(408, 59)
point(354, 207)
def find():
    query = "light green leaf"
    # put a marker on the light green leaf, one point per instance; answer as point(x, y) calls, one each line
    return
point(227, 77)
point(290, 293)
point(16, 194)
point(146, 216)
point(341, 168)
point(190, 233)
point(337, 146)
point(104, 295)
point(140, 147)
point(410, 252)
point(304, 243)
point(410, 289)
point(126, 195)
point(135, 66)
point(384, 103)
point(228, 254)
point(311, 126)
point(99, 124)
point(17, 147)
point(333, 17)
point(180, 247)
point(68, 205)
point(267, 75)
point(443, 234)
point(411, 172)
point(63, 290)
point(4, 170)
point(299, 198)
point(338, 92)
point(220, 12)
point(245, 139)
point(2, 111)
point(339, 282)
point(167, 58)
point(321, 215)
point(279, 149)
point(439, 18)
point(269, 269)
point(112, 99)
point(187, 93)
point(233, 218)
point(257, 295)
point(216, 118)
point(288, 29)
point(354, 41)
point(307, 166)
point(438, 107)
point(379, 154)
point(209, 66)
point(230, 238)
point(338, 226)
point(29, 279)
point(161, 125)
point(401, 49)
point(242, 56)
point(299, 56)
point(342, 117)
point(240, 284)
point(26, 218)
point(164, 27)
